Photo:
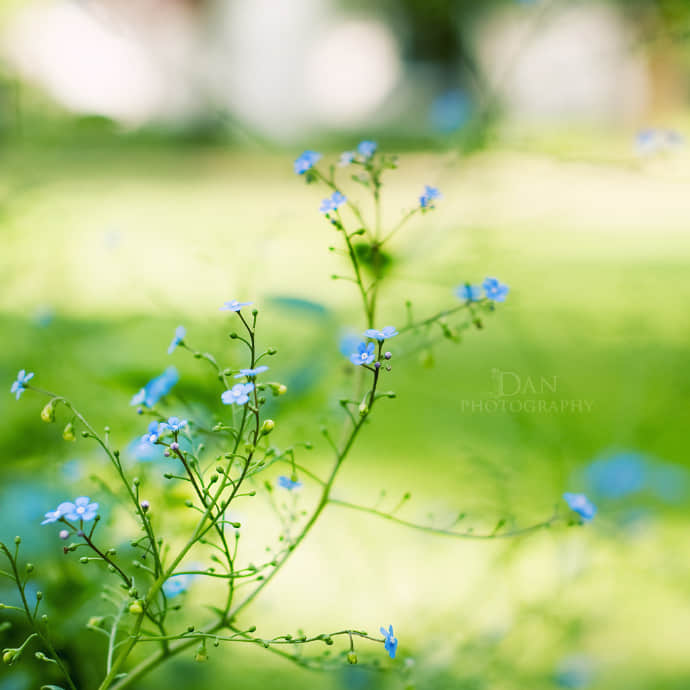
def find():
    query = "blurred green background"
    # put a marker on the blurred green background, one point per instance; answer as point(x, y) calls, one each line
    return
point(147, 177)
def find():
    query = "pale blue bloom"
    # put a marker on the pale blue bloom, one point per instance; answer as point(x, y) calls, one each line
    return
point(366, 149)
point(470, 293)
point(427, 199)
point(333, 202)
point(234, 305)
point(306, 161)
point(155, 431)
point(180, 333)
point(59, 512)
point(81, 509)
point(19, 386)
point(580, 504)
point(156, 388)
point(364, 354)
point(175, 424)
point(391, 642)
point(381, 335)
point(289, 484)
point(495, 290)
point(346, 158)
point(238, 394)
point(251, 373)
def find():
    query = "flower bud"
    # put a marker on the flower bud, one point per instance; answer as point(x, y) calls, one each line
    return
point(201, 654)
point(64, 534)
point(48, 412)
point(68, 432)
point(351, 658)
point(136, 608)
point(9, 656)
point(267, 427)
point(363, 409)
point(95, 622)
point(145, 505)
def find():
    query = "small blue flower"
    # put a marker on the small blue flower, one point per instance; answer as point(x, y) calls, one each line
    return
point(156, 388)
point(495, 290)
point(59, 512)
point(580, 504)
point(366, 149)
point(426, 200)
point(155, 431)
point(234, 305)
point(175, 424)
point(468, 292)
point(390, 642)
point(364, 354)
point(176, 584)
point(306, 161)
point(19, 386)
point(346, 158)
point(251, 373)
point(334, 202)
point(238, 394)
point(180, 333)
point(287, 483)
point(381, 335)
point(81, 509)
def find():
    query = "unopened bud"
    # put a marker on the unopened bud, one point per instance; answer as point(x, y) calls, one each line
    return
point(145, 505)
point(9, 656)
point(48, 412)
point(267, 427)
point(64, 534)
point(136, 608)
point(351, 658)
point(388, 355)
point(68, 432)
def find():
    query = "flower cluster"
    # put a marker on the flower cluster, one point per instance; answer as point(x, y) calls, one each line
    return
point(333, 202)
point(364, 354)
point(431, 194)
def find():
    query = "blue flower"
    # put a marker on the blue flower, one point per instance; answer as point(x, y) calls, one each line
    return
point(495, 290)
point(383, 334)
point(155, 431)
point(364, 354)
point(180, 333)
point(430, 194)
point(366, 149)
point(306, 161)
point(176, 584)
point(58, 513)
point(334, 202)
point(18, 386)
point(468, 292)
point(234, 305)
point(390, 642)
point(287, 483)
point(580, 504)
point(156, 388)
point(81, 509)
point(251, 373)
point(346, 158)
point(238, 394)
point(175, 424)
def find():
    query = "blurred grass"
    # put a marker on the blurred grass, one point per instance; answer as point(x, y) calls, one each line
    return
point(106, 251)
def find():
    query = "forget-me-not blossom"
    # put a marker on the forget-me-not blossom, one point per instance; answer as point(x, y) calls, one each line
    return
point(364, 354)
point(234, 305)
point(156, 388)
point(333, 202)
point(366, 149)
point(427, 199)
point(287, 483)
point(180, 333)
point(251, 373)
point(468, 292)
point(238, 394)
point(390, 641)
point(19, 386)
point(580, 504)
point(306, 161)
point(382, 334)
point(495, 290)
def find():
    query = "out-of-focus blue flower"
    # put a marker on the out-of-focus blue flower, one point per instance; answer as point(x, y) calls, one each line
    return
point(234, 305)
point(143, 451)
point(306, 161)
point(175, 424)
point(668, 482)
point(450, 111)
point(390, 642)
point(346, 158)
point(156, 388)
point(348, 342)
point(580, 504)
point(617, 476)
point(333, 202)
point(180, 333)
point(575, 671)
point(364, 354)
point(287, 483)
point(19, 386)
point(381, 335)
point(495, 290)
point(470, 293)
point(427, 199)
point(238, 394)
point(177, 584)
point(251, 373)
point(654, 141)
point(366, 149)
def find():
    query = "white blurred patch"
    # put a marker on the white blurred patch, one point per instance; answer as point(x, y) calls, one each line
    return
point(352, 68)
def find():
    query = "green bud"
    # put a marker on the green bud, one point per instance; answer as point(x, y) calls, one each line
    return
point(29, 567)
point(267, 427)
point(136, 608)
point(68, 432)
point(9, 656)
point(95, 622)
point(48, 412)
point(351, 658)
